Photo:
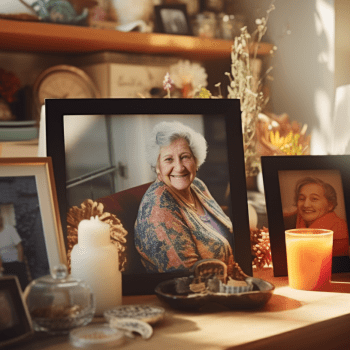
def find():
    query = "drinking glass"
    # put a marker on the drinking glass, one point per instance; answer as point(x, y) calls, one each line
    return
point(309, 258)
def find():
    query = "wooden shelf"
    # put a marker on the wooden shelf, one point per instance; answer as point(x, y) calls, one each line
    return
point(55, 38)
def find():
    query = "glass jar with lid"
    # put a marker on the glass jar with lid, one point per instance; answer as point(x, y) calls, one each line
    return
point(57, 302)
point(204, 25)
point(230, 25)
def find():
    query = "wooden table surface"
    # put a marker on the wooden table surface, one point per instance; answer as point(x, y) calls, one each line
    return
point(292, 319)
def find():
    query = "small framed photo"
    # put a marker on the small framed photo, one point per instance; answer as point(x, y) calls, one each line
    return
point(308, 191)
point(15, 321)
point(172, 19)
point(98, 148)
point(31, 238)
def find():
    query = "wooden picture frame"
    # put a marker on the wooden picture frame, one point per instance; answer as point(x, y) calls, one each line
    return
point(123, 120)
point(29, 207)
point(172, 19)
point(15, 320)
point(281, 175)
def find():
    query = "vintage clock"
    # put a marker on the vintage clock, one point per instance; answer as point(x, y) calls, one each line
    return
point(63, 81)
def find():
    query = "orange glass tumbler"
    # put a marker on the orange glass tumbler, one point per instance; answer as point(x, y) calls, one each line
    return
point(309, 258)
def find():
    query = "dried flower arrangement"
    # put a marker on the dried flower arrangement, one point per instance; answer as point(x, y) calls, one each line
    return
point(186, 78)
point(88, 209)
point(168, 84)
point(246, 86)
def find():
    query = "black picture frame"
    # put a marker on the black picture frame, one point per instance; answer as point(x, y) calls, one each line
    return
point(229, 110)
point(15, 323)
point(335, 167)
point(172, 19)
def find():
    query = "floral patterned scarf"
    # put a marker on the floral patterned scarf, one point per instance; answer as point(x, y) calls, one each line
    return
point(169, 234)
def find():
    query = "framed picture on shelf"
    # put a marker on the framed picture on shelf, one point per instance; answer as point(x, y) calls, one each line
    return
point(172, 19)
point(29, 219)
point(308, 191)
point(15, 321)
point(99, 154)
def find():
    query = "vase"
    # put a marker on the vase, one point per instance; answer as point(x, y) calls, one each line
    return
point(133, 10)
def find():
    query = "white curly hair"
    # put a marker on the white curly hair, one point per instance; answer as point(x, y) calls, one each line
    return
point(166, 132)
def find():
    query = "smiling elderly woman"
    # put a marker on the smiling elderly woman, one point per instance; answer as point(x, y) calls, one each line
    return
point(179, 222)
point(315, 201)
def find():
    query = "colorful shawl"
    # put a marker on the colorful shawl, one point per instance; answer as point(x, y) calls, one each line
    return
point(170, 236)
point(331, 221)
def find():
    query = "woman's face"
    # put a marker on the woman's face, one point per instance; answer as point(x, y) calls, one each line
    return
point(177, 166)
point(312, 203)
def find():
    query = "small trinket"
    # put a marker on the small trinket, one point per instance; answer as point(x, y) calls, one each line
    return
point(182, 285)
point(198, 287)
point(96, 337)
point(131, 325)
point(146, 313)
point(210, 276)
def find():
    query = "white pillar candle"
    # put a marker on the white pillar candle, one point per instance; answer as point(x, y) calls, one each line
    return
point(94, 259)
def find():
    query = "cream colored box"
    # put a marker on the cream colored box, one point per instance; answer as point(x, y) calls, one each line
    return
point(127, 75)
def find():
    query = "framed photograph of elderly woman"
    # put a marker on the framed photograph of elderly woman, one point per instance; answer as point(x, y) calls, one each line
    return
point(112, 152)
point(308, 191)
point(31, 238)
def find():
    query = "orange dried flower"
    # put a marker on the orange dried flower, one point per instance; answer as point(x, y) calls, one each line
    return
point(260, 246)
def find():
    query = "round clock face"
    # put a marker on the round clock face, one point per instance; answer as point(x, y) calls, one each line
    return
point(64, 82)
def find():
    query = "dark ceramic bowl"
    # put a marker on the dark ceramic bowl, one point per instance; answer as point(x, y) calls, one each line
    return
point(257, 298)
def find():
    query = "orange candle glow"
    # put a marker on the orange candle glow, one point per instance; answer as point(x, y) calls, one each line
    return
point(309, 258)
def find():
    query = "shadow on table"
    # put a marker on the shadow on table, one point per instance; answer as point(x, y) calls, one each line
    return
point(281, 303)
point(175, 324)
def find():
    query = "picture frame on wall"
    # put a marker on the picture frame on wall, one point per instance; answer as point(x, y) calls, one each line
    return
point(98, 152)
point(30, 219)
point(15, 320)
point(172, 19)
point(308, 191)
